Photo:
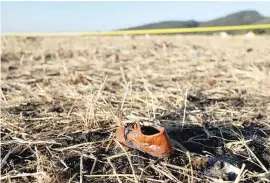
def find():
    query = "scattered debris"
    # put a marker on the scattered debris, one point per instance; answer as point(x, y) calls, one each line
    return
point(12, 67)
point(3, 59)
point(156, 44)
point(147, 36)
point(249, 35)
point(249, 49)
point(80, 79)
point(165, 48)
point(211, 81)
point(48, 57)
point(37, 57)
point(224, 35)
point(225, 168)
point(116, 57)
point(127, 37)
point(198, 55)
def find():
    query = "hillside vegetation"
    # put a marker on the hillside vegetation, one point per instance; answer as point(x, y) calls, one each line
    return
point(238, 18)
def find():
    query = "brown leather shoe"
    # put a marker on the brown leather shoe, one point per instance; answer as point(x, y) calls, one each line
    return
point(149, 139)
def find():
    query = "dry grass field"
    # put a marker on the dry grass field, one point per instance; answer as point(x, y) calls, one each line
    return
point(62, 99)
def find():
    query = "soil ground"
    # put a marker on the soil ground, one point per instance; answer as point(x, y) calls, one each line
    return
point(62, 99)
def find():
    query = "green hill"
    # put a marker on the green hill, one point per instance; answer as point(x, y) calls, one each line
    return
point(167, 24)
point(238, 18)
point(263, 21)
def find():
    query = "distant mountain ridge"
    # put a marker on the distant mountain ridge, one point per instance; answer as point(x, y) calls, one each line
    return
point(167, 24)
point(238, 18)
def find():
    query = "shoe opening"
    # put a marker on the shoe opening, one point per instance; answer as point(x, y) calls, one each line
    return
point(149, 130)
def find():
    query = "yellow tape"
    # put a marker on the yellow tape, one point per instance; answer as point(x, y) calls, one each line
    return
point(182, 30)
point(151, 31)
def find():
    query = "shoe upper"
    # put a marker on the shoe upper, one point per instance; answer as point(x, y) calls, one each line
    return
point(152, 140)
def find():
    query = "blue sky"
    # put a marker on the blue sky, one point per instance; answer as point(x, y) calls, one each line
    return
point(92, 16)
